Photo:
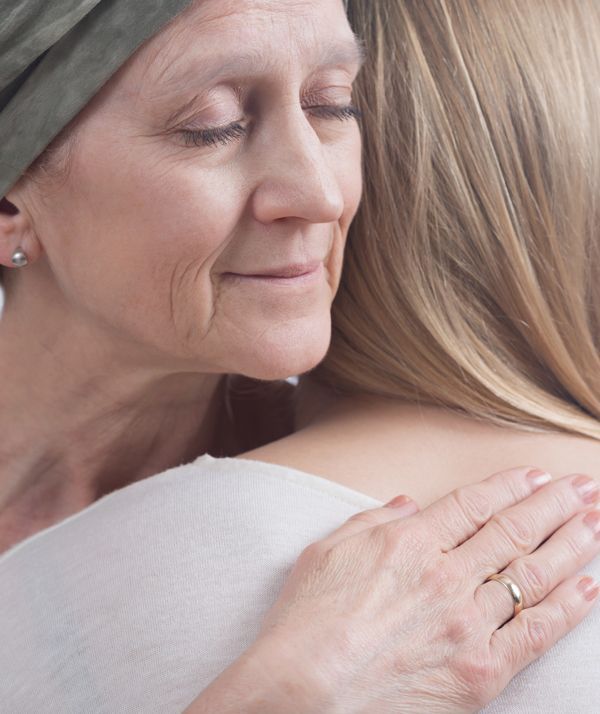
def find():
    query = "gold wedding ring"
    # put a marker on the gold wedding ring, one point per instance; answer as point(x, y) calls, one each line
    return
point(513, 589)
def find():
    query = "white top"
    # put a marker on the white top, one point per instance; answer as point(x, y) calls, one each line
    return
point(138, 602)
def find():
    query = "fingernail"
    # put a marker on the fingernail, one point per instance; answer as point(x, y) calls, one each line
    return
point(538, 478)
point(403, 504)
point(592, 519)
point(587, 488)
point(588, 587)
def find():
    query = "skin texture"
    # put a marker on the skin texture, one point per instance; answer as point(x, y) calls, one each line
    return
point(133, 301)
point(421, 451)
point(395, 613)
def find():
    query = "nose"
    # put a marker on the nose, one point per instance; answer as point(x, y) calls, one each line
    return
point(296, 175)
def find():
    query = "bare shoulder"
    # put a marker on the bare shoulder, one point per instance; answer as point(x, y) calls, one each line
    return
point(307, 450)
point(386, 453)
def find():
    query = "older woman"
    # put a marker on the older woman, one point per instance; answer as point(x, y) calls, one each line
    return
point(190, 223)
point(161, 250)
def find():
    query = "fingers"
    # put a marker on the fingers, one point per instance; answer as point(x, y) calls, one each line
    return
point(459, 515)
point(535, 630)
point(539, 573)
point(518, 530)
point(399, 508)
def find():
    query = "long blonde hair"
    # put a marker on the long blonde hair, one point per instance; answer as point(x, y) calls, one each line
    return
point(472, 273)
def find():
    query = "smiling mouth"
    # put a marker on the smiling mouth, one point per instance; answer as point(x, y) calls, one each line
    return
point(288, 274)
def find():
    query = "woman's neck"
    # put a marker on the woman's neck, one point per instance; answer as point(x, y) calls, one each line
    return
point(77, 423)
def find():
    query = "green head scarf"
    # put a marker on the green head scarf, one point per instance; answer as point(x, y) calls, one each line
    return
point(54, 57)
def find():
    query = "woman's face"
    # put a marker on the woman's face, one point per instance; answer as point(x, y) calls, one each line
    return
point(214, 178)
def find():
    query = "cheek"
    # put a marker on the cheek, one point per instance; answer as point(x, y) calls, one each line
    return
point(137, 244)
point(170, 220)
point(154, 204)
point(186, 226)
point(193, 219)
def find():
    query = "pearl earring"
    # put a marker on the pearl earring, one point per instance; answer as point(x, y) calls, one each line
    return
point(19, 258)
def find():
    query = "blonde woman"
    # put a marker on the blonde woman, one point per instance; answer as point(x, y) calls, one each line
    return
point(467, 326)
point(191, 224)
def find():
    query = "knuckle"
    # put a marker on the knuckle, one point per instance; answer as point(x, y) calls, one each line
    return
point(572, 546)
point(400, 539)
point(513, 482)
point(562, 502)
point(517, 530)
point(438, 580)
point(533, 579)
point(478, 673)
point(474, 504)
point(537, 633)
point(568, 611)
point(383, 544)
point(461, 625)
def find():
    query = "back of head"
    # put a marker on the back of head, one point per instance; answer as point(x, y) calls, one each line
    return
point(471, 274)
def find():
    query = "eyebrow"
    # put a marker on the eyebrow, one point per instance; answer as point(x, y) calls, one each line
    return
point(351, 51)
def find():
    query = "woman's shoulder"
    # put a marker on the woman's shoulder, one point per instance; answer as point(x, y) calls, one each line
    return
point(209, 489)
point(263, 467)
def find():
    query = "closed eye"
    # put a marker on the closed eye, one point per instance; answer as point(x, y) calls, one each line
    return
point(211, 137)
point(234, 131)
point(332, 111)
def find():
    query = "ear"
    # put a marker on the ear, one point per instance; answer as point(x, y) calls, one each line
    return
point(16, 231)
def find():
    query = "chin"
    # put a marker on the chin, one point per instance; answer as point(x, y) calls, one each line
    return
point(288, 350)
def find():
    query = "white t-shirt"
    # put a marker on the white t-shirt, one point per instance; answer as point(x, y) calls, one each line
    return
point(138, 602)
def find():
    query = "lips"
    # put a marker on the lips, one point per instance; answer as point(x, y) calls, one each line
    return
point(293, 270)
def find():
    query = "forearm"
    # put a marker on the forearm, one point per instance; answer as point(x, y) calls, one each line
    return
point(263, 680)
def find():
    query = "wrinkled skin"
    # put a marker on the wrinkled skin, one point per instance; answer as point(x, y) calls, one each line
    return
point(391, 615)
point(221, 161)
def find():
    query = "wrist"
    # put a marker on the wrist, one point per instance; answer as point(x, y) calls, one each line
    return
point(286, 673)
point(265, 679)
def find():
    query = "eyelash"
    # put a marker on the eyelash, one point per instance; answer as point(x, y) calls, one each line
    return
point(223, 135)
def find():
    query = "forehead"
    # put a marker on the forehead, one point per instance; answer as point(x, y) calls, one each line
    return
point(226, 36)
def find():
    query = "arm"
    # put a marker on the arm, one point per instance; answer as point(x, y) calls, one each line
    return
point(263, 680)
